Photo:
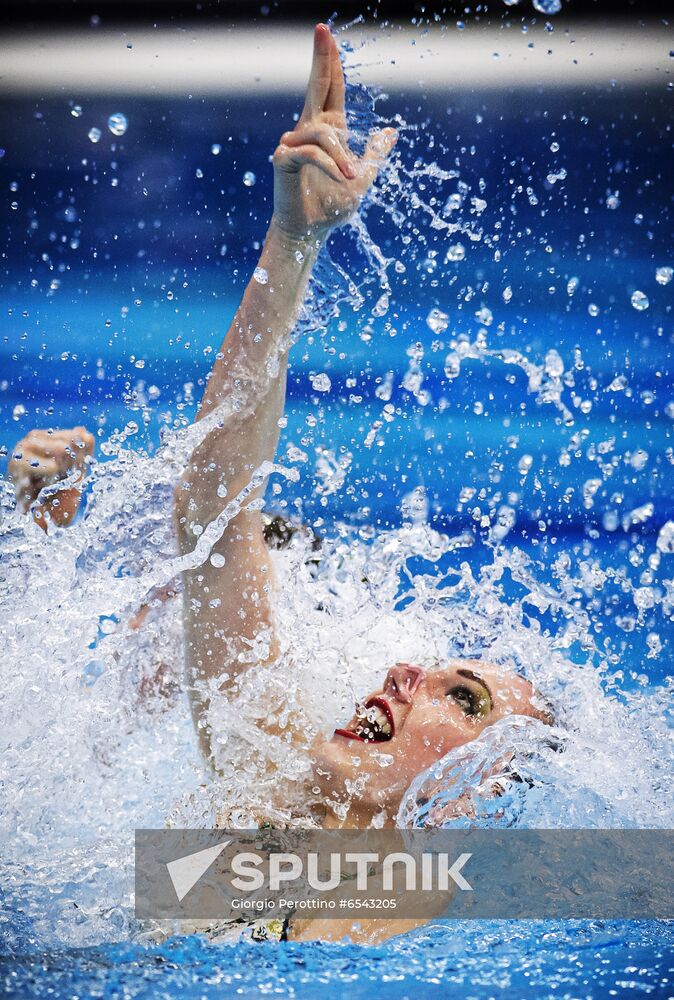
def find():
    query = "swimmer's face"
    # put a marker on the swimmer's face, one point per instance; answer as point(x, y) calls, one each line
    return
point(416, 718)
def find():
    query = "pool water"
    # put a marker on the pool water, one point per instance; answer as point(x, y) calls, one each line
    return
point(514, 960)
point(125, 260)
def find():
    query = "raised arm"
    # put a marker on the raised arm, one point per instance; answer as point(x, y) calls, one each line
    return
point(318, 184)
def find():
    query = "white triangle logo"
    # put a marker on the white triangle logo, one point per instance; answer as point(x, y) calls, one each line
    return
point(186, 872)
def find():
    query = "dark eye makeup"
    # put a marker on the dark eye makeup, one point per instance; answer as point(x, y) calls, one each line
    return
point(471, 701)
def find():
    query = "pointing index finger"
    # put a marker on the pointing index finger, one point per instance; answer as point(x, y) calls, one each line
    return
point(335, 99)
point(319, 80)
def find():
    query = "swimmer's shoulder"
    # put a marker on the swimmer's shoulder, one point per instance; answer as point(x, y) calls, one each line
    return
point(361, 931)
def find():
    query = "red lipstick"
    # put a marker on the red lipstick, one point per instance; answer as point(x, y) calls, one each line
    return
point(384, 706)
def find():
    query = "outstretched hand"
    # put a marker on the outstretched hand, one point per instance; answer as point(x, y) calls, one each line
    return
point(318, 181)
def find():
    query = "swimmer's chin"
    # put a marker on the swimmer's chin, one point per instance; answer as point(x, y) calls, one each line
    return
point(345, 746)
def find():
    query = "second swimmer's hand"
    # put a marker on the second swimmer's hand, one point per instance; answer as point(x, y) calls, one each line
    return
point(318, 181)
point(44, 458)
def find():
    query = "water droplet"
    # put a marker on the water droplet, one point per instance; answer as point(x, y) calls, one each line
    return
point(590, 487)
point(554, 147)
point(217, 560)
point(554, 366)
point(384, 390)
point(76, 111)
point(18, 411)
point(663, 275)
point(638, 459)
point(485, 316)
point(552, 178)
point(610, 520)
point(94, 134)
point(613, 201)
point(131, 428)
point(507, 293)
point(249, 178)
point(524, 464)
point(437, 321)
point(216, 149)
point(638, 516)
point(261, 276)
point(593, 309)
point(453, 203)
point(452, 365)
point(381, 305)
point(640, 301)
point(386, 759)
point(414, 505)
point(572, 285)
point(296, 454)
point(117, 123)
point(665, 542)
point(548, 6)
point(456, 252)
point(505, 521)
point(199, 173)
point(321, 383)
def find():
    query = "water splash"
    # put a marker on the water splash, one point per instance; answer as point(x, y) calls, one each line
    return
point(93, 710)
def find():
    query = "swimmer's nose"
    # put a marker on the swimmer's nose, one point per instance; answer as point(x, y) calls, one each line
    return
point(403, 680)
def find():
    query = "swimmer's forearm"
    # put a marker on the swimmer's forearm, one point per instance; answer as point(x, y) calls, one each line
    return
point(260, 331)
point(250, 368)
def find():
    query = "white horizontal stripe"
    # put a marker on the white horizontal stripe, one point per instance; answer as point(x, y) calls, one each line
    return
point(243, 59)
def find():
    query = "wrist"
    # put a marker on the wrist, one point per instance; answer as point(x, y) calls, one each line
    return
point(300, 247)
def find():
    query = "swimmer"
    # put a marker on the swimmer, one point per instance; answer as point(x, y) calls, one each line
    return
point(419, 714)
